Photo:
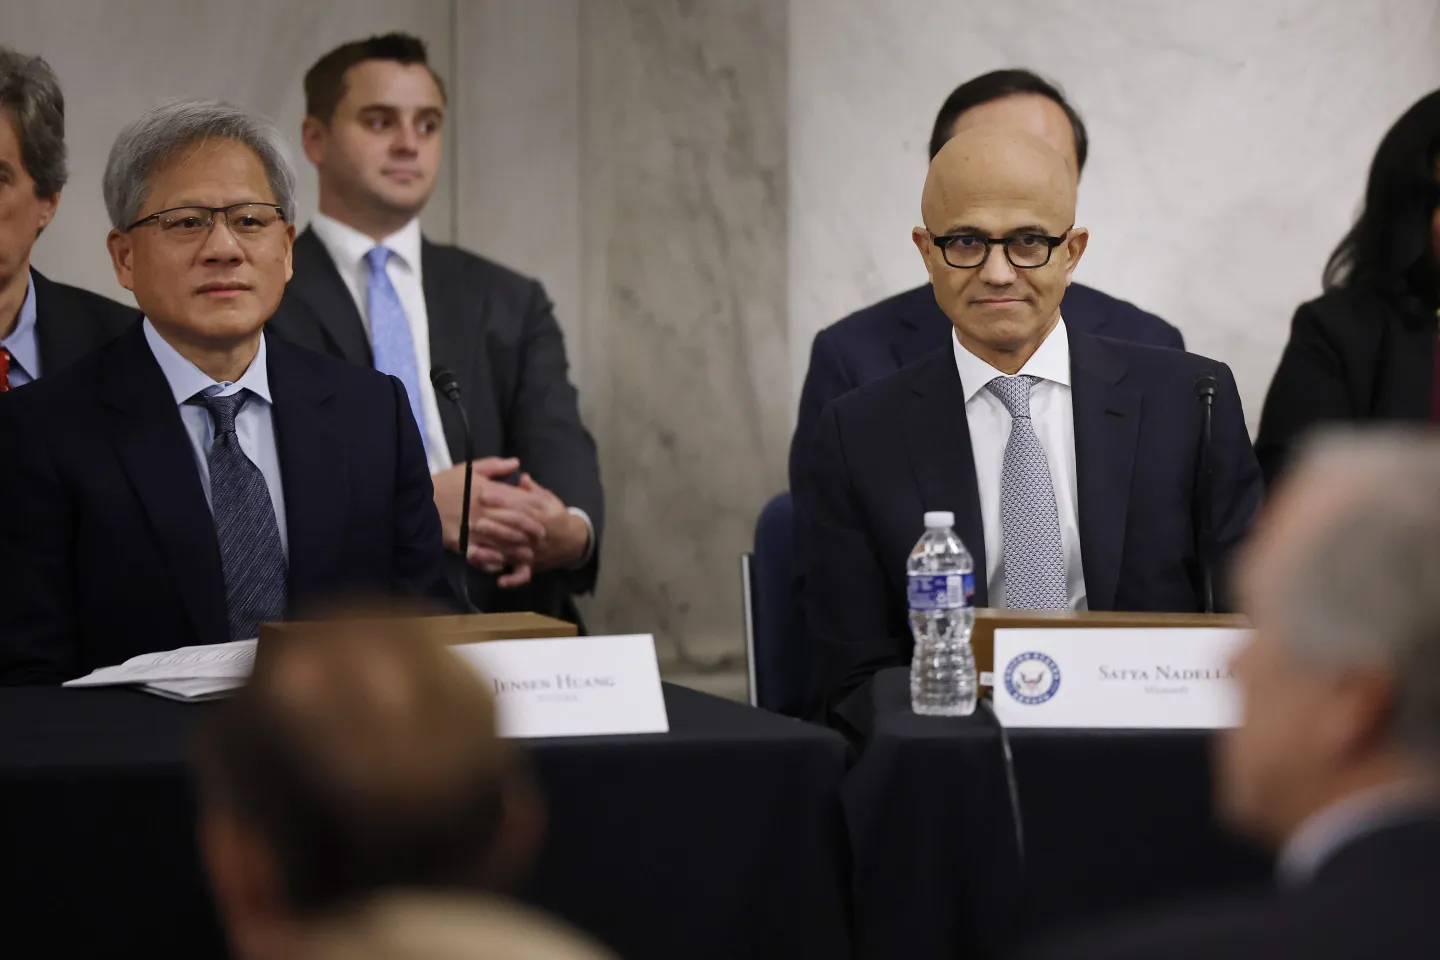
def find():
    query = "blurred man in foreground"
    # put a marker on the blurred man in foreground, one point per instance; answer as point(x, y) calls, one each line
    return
point(1338, 760)
point(356, 803)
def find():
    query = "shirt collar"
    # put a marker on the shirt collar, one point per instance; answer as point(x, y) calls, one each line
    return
point(349, 246)
point(1324, 834)
point(22, 342)
point(186, 380)
point(1050, 362)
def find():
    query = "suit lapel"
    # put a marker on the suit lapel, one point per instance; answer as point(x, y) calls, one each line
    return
point(155, 452)
point(937, 440)
point(1107, 428)
point(455, 327)
point(61, 338)
point(921, 327)
point(317, 281)
point(312, 465)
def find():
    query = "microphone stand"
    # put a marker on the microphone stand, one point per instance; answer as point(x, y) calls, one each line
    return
point(444, 382)
point(1205, 392)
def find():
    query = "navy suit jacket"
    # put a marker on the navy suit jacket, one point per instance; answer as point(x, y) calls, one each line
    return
point(887, 452)
point(106, 542)
point(888, 335)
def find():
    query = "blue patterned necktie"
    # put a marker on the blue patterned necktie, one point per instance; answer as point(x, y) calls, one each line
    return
point(391, 343)
point(251, 555)
point(1034, 558)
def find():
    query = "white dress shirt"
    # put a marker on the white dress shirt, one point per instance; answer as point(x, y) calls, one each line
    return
point(254, 424)
point(347, 248)
point(1054, 422)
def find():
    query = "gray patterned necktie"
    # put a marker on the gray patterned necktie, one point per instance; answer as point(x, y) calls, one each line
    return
point(251, 554)
point(1034, 558)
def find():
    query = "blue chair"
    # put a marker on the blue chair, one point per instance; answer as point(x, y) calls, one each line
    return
point(777, 654)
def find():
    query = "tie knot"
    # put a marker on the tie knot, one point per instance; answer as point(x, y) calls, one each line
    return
point(1014, 392)
point(378, 257)
point(223, 410)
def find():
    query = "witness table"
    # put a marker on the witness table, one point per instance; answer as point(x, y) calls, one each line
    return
point(722, 838)
point(1113, 820)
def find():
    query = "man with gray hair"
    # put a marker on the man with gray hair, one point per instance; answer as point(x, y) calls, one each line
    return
point(1338, 759)
point(44, 325)
point(194, 478)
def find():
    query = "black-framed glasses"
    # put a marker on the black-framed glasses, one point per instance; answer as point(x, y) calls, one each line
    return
point(245, 220)
point(1025, 251)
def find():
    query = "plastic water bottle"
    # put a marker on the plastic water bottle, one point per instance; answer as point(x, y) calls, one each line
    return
point(941, 584)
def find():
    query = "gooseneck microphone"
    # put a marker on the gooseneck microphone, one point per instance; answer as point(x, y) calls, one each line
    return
point(445, 385)
point(1205, 393)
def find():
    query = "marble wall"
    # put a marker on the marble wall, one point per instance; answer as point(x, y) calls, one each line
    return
point(1229, 145)
point(684, 206)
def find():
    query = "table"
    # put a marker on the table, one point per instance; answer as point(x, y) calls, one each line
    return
point(722, 838)
point(1113, 820)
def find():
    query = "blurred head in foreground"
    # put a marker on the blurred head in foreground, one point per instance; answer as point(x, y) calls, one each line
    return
point(1341, 682)
point(361, 759)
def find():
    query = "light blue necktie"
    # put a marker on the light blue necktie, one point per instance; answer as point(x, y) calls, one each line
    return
point(1034, 557)
point(390, 341)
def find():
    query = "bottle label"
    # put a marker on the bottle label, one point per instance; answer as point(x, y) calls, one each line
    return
point(942, 591)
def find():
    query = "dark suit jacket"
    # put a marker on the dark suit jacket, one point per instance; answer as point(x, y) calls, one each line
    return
point(1352, 356)
point(893, 333)
point(889, 451)
point(496, 331)
point(70, 322)
point(109, 549)
point(1374, 898)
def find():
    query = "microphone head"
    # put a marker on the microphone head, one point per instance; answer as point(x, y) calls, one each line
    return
point(1205, 386)
point(444, 382)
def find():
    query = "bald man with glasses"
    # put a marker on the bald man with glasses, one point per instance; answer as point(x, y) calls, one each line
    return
point(1072, 462)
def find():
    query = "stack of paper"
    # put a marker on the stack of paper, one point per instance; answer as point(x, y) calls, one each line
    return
point(189, 674)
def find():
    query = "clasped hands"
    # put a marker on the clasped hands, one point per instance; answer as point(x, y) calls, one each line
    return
point(516, 530)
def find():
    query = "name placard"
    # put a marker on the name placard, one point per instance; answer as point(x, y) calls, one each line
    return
point(1136, 678)
point(572, 687)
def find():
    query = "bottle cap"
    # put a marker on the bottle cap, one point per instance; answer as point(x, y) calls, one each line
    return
point(939, 520)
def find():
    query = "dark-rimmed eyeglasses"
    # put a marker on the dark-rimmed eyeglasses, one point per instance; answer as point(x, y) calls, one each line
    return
point(245, 220)
point(1025, 251)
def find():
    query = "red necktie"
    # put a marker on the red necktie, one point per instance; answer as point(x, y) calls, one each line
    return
point(4, 369)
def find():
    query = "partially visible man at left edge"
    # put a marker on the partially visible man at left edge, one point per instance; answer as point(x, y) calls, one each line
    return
point(43, 325)
point(195, 477)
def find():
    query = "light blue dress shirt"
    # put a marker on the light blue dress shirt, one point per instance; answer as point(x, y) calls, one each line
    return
point(254, 424)
point(23, 347)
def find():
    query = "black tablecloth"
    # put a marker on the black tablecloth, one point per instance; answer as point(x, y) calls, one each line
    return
point(722, 838)
point(1113, 820)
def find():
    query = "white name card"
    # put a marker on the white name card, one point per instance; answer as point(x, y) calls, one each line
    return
point(572, 686)
point(1117, 677)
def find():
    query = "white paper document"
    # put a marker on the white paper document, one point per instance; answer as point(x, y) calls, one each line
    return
point(187, 673)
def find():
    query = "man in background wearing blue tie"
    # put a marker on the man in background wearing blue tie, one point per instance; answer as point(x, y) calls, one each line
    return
point(370, 289)
point(195, 478)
